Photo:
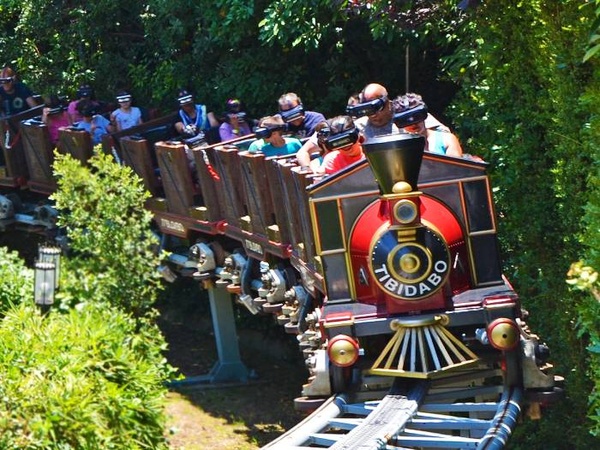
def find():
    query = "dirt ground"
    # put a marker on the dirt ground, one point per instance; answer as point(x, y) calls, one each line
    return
point(234, 417)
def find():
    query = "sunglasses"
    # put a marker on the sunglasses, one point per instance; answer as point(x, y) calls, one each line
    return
point(6, 80)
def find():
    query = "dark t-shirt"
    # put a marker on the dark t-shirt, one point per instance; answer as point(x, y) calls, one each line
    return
point(16, 102)
point(311, 120)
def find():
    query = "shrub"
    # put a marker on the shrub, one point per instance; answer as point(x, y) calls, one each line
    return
point(112, 259)
point(87, 379)
point(16, 280)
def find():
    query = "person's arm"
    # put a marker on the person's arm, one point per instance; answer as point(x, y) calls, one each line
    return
point(309, 147)
point(212, 120)
point(225, 132)
point(31, 102)
point(453, 147)
point(115, 123)
point(179, 127)
point(45, 112)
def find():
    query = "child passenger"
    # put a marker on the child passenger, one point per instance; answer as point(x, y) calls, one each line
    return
point(273, 143)
point(344, 143)
point(54, 116)
point(126, 116)
point(95, 124)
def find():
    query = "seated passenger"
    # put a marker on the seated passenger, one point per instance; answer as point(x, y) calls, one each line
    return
point(299, 122)
point(438, 140)
point(126, 116)
point(271, 141)
point(235, 124)
point(94, 123)
point(84, 92)
point(344, 143)
point(55, 116)
point(316, 159)
point(15, 96)
point(193, 118)
point(311, 147)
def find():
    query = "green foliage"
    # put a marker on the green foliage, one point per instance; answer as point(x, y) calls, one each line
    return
point(322, 50)
point(88, 379)
point(16, 280)
point(523, 108)
point(113, 258)
point(594, 39)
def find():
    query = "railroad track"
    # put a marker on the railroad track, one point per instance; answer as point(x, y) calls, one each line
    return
point(471, 410)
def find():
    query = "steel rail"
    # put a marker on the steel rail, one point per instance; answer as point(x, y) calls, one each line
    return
point(461, 412)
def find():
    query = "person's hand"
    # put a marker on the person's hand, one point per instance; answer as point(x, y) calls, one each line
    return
point(190, 130)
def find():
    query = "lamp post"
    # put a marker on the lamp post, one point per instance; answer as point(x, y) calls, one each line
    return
point(51, 254)
point(44, 285)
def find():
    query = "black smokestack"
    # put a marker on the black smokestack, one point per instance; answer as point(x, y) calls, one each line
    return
point(395, 158)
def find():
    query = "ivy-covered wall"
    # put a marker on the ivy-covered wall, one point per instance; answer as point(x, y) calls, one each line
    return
point(528, 105)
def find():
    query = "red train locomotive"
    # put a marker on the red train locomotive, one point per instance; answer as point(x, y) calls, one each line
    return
point(389, 268)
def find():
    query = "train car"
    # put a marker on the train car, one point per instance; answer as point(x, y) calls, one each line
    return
point(387, 270)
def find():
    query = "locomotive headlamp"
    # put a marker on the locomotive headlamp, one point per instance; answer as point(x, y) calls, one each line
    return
point(343, 351)
point(503, 334)
point(405, 211)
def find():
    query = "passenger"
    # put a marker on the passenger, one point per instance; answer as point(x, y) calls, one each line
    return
point(94, 123)
point(126, 116)
point(353, 100)
point(311, 148)
point(235, 124)
point(15, 96)
point(378, 118)
point(344, 142)
point(84, 92)
point(316, 159)
point(55, 116)
point(440, 141)
point(271, 141)
point(193, 118)
point(374, 112)
point(299, 122)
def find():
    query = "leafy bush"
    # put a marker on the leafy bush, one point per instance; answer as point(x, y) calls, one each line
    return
point(16, 280)
point(528, 109)
point(90, 374)
point(113, 255)
point(87, 379)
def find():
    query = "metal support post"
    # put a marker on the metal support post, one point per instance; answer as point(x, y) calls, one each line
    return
point(229, 367)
